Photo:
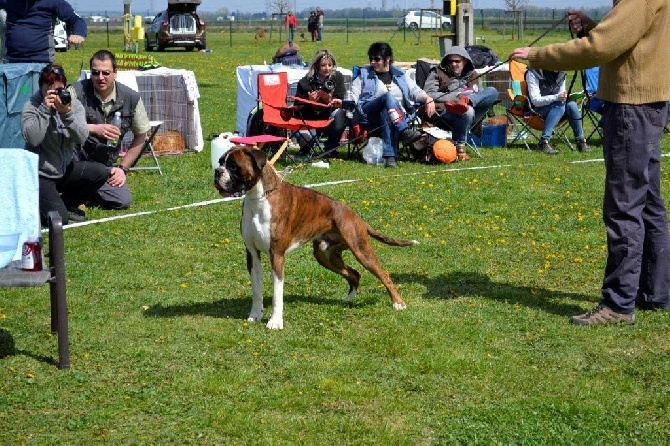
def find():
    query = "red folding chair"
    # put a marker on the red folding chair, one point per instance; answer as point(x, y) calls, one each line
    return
point(273, 98)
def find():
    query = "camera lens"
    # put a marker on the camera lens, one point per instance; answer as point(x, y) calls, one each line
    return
point(64, 95)
point(329, 85)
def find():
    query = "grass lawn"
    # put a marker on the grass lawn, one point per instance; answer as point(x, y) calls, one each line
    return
point(511, 245)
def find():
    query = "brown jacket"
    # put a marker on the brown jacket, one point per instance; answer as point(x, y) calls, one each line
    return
point(632, 47)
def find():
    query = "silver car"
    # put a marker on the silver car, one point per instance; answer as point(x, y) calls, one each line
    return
point(424, 20)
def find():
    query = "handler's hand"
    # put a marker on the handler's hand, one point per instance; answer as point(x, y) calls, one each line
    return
point(520, 53)
point(577, 20)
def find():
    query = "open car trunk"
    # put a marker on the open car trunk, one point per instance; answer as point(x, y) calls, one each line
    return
point(183, 5)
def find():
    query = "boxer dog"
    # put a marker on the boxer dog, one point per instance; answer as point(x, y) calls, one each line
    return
point(278, 217)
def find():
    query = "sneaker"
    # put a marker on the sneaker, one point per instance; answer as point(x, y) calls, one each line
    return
point(602, 315)
point(458, 107)
point(545, 147)
point(461, 153)
point(409, 135)
point(651, 306)
point(390, 161)
point(76, 215)
point(582, 146)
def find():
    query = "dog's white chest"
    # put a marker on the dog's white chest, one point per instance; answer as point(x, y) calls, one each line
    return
point(256, 220)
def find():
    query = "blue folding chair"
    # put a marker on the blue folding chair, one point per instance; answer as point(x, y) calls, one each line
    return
point(593, 107)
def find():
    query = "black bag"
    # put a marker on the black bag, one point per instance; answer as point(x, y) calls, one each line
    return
point(481, 56)
point(95, 151)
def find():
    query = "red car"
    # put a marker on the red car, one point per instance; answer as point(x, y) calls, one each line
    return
point(177, 26)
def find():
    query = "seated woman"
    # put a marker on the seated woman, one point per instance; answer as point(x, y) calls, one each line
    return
point(52, 122)
point(547, 94)
point(324, 85)
point(384, 97)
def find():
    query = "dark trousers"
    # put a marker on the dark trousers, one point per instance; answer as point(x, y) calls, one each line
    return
point(81, 180)
point(638, 244)
point(336, 128)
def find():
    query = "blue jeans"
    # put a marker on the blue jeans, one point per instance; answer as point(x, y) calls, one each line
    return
point(460, 124)
point(554, 112)
point(638, 244)
point(375, 116)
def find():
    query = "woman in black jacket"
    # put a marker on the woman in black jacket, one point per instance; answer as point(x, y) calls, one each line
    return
point(324, 85)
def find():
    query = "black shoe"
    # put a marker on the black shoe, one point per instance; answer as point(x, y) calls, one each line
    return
point(390, 161)
point(76, 215)
point(544, 146)
point(409, 135)
point(582, 146)
point(651, 306)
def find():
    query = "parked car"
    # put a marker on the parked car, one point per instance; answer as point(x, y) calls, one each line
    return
point(177, 26)
point(424, 19)
point(60, 36)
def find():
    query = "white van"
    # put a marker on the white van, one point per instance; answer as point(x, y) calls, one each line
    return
point(60, 36)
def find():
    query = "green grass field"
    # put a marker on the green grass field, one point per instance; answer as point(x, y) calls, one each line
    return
point(511, 245)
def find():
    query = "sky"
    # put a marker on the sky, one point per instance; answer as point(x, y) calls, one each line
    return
point(150, 7)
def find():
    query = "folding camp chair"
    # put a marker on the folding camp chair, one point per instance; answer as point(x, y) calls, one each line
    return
point(593, 106)
point(526, 121)
point(148, 148)
point(276, 112)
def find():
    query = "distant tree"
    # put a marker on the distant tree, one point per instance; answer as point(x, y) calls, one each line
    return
point(515, 5)
point(278, 6)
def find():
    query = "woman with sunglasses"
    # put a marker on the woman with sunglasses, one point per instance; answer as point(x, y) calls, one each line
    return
point(324, 86)
point(52, 123)
point(385, 98)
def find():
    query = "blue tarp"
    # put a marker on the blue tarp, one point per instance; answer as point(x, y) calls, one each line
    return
point(18, 82)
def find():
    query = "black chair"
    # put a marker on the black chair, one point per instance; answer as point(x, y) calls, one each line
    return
point(54, 275)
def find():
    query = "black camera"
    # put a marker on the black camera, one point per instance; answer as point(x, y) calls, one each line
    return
point(64, 95)
point(329, 85)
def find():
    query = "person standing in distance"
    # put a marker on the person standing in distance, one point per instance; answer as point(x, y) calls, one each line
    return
point(627, 45)
point(29, 34)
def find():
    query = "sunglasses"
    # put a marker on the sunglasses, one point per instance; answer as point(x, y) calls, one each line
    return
point(375, 59)
point(99, 72)
point(53, 69)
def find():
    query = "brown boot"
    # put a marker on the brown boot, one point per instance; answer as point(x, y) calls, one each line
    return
point(461, 153)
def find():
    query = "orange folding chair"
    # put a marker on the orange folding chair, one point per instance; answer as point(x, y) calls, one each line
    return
point(276, 112)
point(527, 122)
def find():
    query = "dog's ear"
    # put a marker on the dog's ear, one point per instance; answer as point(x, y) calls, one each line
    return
point(260, 157)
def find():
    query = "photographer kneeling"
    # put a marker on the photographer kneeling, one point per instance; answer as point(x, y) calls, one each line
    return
point(52, 123)
point(325, 85)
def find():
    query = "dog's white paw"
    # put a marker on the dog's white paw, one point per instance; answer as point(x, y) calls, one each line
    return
point(399, 306)
point(275, 324)
point(253, 319)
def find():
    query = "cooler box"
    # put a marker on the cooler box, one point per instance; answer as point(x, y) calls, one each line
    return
point(494, 135)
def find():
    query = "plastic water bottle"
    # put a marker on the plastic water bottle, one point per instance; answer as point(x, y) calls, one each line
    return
point(116, 121)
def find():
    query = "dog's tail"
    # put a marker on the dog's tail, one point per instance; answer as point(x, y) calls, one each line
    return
point(390, 240)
